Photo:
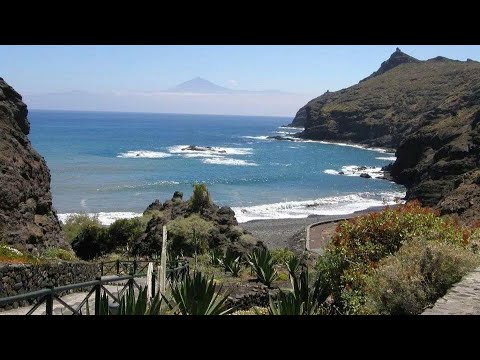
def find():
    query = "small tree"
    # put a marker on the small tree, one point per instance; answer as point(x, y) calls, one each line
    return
point(201, 198)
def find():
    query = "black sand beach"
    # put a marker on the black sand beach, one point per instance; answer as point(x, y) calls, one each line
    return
point(287, 233)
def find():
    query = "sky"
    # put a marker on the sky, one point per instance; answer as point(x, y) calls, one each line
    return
point(131, 78)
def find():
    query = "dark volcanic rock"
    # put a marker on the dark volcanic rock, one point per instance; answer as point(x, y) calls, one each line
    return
point(428, 110)
point(365, 175)
point(278, 137)
point(226, 234)
point(397, 58)
point(155, 206)
point(27, 218)
point(203, 148)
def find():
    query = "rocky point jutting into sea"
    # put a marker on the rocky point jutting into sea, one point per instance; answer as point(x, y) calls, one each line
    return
point(429, 111)
point(27, 218)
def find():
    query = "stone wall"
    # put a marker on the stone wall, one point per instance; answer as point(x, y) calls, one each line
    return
point(19, 279)
point(244, 296)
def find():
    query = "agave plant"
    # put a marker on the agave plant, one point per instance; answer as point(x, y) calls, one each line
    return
point(285, 304)
point(262, 265)
point(197, 296)
point(303, 299)
point(231, 263)
point(131, 305)
point(215, 256)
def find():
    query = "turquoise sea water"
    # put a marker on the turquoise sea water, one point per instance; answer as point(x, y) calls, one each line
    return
point(115, 164)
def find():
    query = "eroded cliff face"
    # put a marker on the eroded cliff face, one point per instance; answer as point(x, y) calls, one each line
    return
point(27, 218)
point(429, 111)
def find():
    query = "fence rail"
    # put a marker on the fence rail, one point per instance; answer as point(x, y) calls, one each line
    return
point(135, 268)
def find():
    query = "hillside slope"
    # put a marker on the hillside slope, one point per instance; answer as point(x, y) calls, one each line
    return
point(27, 219)
point(429, 111)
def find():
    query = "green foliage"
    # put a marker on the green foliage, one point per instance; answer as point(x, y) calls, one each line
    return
point(283, 276)
point(416, 276)
point(247, 239)
point(57, 253)
point(231, 263)
point(281, 255)
point(262, 264)
point(189, 234)
point(131, 305)
point(201, 198)
point(75, 224)
point(197, 296)
point(11, 255)
point(285, 304)
point(359, 245)
point(215, 257)
point(91, 242)
point(124, 232)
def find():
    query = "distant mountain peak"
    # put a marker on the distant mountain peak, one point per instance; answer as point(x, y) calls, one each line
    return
point(200, 85)
point(397, 58)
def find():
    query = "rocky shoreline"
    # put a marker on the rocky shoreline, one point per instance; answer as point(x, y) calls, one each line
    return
point(429, 111)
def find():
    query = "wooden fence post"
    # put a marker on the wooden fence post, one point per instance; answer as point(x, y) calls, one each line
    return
point(163, 262)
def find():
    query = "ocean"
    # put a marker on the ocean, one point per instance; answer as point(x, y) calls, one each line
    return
point(116, 164)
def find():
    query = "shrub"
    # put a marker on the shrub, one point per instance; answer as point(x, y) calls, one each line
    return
point(124, 232)
point(75, 224)
point(62, 254)
point(416, 276)
point(201, 198)
point(247, 239)
point(91, 242)
point(361, 243)
point(189, 234)
point(11, 255)
point(262, 265)
point(281, 255)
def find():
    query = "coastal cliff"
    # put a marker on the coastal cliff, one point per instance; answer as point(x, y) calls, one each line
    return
point(429, 111)
point(27, 219)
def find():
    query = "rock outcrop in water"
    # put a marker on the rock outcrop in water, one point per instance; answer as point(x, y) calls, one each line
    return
point(429, 111)
point(27, 219)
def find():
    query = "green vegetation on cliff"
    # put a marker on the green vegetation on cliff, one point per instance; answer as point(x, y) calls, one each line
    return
point(429, 111)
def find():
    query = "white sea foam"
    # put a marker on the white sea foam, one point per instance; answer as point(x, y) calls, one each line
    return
point(219, 151)
point(201, 155)
point(143, 154)
point(140, 186)
point(105, 218)
point(354, 170)
point(285, 132)
point(334, 205)
point(290, 128)
point(387, 158)
point(228, 161)
point(261, 137)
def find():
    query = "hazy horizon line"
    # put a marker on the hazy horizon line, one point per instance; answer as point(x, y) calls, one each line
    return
point(159, 113)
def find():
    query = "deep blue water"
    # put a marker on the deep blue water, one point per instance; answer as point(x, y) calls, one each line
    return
point(95, 168)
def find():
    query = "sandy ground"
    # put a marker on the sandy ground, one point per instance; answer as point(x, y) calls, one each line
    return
point(289, 233)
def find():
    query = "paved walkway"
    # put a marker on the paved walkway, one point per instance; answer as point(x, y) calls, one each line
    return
point(462, 299)
point(73, 299)
point(320, 236)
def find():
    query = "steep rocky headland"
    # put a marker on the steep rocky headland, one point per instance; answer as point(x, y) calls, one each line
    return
point(27, 219)
point(429, 111)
